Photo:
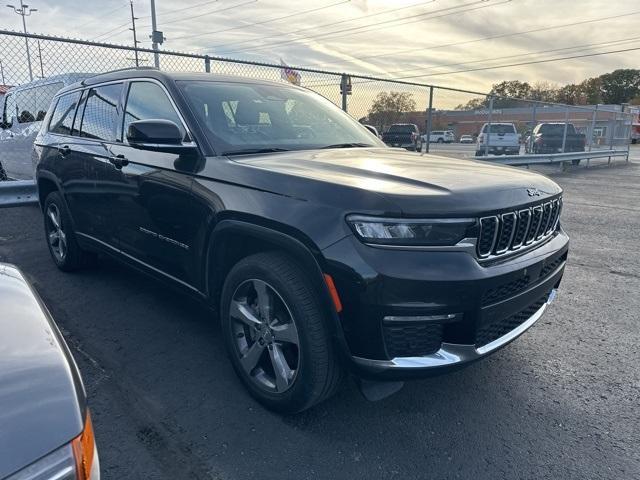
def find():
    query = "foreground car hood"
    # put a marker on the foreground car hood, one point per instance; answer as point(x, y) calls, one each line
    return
point(416, 184)
point(40, 391)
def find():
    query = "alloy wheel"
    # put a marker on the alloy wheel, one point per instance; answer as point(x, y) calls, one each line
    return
point(265, 336)
point(55, 234)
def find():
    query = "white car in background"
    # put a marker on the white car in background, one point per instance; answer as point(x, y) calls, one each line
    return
point(466, 139)
point(440, 136)
point(498, 139)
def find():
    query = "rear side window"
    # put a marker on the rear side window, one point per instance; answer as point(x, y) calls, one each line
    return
point(148, 101)
point(500, 128)
point(63, 114)
point(101, 113)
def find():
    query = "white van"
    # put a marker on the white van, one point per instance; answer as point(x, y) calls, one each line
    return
point(440, 136)
point(23, 109)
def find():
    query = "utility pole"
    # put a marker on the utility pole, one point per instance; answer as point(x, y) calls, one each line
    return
point(2, 72)
point(135, 38)
point(25, 11)
point(156, 36)
point(40, 58)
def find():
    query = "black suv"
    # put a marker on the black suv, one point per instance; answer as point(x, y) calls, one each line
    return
point(323, 251)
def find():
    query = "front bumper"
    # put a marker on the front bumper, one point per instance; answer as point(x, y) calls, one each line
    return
point(482, 306)
point(449, 356)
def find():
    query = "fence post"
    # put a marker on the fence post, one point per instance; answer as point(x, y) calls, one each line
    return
point(429, 119)
point(343, 88)
point(592, 131)
point(566, 124)
point(529, 145)
point(490, 117)
point(207, 64)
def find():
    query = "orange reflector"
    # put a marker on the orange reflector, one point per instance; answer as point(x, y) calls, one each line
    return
point(83, 450)
point(334, 293)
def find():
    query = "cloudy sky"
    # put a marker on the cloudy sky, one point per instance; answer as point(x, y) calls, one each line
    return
point(430, 41)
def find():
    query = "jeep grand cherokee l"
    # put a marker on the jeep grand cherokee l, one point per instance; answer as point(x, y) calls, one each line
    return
point(322, 250)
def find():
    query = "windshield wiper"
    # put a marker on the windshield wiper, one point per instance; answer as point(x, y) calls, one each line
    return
point(249, 151)
point(348, 145)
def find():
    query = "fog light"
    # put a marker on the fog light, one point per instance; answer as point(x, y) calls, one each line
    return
point(445, 318)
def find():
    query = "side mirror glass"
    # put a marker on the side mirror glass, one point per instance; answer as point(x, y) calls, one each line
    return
point(150, 134)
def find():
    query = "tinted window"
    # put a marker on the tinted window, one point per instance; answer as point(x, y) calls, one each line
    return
point(101, 112)
point(239, 117)
point(147, 101)
point(556, 129)
point(62, 116)
point(401, 129)
point(500, 128)
point(437, 132)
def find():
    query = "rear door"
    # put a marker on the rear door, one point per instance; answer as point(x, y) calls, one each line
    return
point(503, 135)
point(151, 203)
point(100, 111)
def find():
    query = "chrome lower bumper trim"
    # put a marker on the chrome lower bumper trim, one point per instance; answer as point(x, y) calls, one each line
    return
point(451, 354)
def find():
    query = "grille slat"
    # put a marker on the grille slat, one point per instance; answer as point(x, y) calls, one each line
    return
point(509, 231)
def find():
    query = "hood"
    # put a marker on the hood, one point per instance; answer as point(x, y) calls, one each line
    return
point(415, 184)
point(40, 392)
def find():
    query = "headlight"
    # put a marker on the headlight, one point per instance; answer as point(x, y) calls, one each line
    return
point(77, 460)
point(411, 232)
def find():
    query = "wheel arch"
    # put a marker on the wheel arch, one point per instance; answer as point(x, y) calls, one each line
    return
point(234, 239)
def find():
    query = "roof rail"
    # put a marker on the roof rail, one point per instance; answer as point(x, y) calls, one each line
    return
point(120, 70)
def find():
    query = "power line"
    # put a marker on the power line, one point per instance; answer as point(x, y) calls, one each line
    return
point(533, 62)
point(366, 28)
point(491, 37)
point(98, 17)
point(211, 12)
point(394, 10)
point(168, 12)
point(107, 33)
point(266, 21)
point(586, 46)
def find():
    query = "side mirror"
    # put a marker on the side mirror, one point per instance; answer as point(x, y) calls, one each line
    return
point(159, 136)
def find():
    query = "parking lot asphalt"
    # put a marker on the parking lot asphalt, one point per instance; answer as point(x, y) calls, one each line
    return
point(561, 402)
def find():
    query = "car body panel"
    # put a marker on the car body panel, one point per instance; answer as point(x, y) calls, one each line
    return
point(42, 400)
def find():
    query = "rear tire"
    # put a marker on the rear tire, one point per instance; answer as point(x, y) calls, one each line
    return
point(276, 333)
point(61, 239)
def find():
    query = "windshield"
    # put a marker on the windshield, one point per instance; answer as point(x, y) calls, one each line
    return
point(500, 128)
point(401, 129)
point(250, 118)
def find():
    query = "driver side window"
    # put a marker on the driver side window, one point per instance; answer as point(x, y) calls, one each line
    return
point(148, 101)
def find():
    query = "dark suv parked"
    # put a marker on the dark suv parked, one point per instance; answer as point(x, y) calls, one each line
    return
point(323, 250)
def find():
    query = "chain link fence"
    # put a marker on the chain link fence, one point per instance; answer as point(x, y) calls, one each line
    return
point(448, 120)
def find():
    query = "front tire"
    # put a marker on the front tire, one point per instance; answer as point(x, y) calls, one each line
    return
point(61, 239)
point(276, 333)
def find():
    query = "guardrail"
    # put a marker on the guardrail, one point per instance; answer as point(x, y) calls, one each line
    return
point(558, 158)
point(17, 193)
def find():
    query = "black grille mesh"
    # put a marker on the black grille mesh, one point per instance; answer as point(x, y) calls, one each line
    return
point(507, 226)
point(488, 333)
point(521, 229)
point(488, 228)
point(504, 291)
point(411, 340)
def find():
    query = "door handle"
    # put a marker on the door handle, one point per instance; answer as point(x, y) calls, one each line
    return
point(119, 161)
point(64, 151)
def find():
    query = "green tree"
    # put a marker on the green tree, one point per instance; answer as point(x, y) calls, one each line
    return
point(390, 107)
point(620, 86)
point(511, 89)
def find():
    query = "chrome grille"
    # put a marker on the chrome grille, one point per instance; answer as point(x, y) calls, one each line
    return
point(509, 231)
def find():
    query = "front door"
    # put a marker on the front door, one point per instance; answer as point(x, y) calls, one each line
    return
point(152, 211)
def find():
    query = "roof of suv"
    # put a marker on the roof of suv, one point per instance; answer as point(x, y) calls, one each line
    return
point(153, 73)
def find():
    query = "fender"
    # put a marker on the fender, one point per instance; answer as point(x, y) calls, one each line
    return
point(290, 245)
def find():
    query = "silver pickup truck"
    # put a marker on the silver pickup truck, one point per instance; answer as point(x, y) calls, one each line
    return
point(498, 139)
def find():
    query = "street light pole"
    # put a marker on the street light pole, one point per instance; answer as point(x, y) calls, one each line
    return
point(2, 72)
point(25, 11)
